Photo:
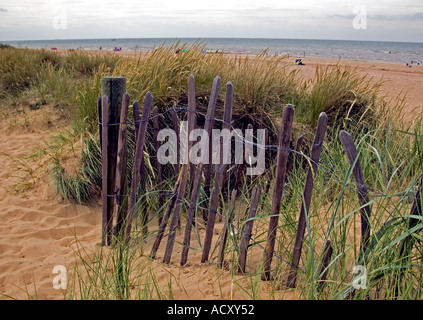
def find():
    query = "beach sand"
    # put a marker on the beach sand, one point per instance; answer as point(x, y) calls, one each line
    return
point(39, 231)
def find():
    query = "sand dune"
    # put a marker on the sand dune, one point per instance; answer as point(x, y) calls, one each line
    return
point(39, 231)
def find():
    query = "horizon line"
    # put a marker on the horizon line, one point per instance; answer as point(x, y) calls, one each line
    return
point(200, 38)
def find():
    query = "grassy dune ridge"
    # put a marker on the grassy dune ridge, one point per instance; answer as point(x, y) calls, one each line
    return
point(390, 155)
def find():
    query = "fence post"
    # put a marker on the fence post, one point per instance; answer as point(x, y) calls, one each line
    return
point(197, 178)
point(100, 120)
point(352, 154)
point(220, 175)
point(208, 167)
point(137, 118)
point(166, 216)
point(175, 125)
point(248, 227)
point(112, 90)
point(172, 200)
point(308, 191)
point(225, 229)
point(192, 124)
point(284, 140)
point(137, 163)
point(327, 255)
point(175, 218)
point(156, 147)
point(137, 121)
point(121, 187)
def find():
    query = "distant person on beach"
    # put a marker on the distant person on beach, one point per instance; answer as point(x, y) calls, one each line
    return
point(299, 62)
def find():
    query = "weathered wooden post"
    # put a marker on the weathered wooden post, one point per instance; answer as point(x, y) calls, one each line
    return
point(363, 198)
point(208, 168)
point(137, 117)
point(178, 192)
point(192, 124)
point(166, 216)
point(225, 229)
point(221, 169)
point(136, 176)
point(284, 140)
point(100, 125)
point(175, 125)
point(327, 255)
point(197, 178)
point(121, 186)
point(112, 90)
point(156, 148)
point(249, 139)
point(248, 227)
point(175, 218)
point(307, 194)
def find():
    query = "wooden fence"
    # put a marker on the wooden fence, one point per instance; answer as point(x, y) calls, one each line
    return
point(119, 208)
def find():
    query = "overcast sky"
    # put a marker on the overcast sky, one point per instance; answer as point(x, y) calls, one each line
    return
point(307, 19)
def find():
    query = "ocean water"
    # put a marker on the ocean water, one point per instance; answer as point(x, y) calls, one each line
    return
point(394, 52)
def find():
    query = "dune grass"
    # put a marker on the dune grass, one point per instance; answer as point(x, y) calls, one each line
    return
point(390, 154)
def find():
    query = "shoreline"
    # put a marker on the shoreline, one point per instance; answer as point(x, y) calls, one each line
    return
point(127, 52)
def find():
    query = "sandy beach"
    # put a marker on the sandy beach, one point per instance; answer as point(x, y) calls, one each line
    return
point(39, 231)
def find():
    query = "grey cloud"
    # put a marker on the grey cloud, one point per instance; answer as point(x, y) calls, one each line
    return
point(3, 10)
point(412, 16)
point(417, 16)
point(343, 16)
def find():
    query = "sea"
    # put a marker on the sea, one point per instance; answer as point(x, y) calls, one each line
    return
point(379, 51)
